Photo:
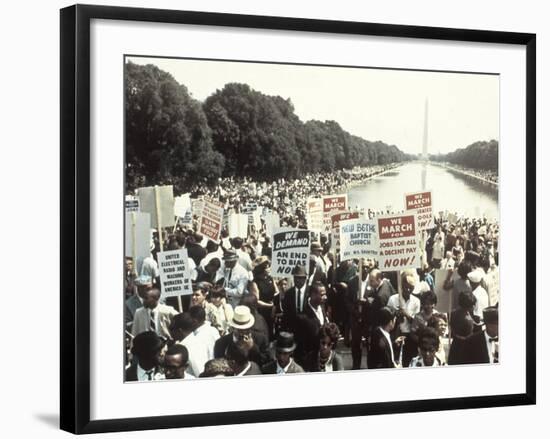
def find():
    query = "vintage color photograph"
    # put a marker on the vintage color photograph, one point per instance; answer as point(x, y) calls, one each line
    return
point(285, 218)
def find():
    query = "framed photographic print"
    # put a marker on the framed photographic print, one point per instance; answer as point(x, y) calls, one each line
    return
point(330, 216)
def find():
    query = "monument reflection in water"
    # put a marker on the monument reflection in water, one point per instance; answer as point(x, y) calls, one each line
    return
point(451, 191)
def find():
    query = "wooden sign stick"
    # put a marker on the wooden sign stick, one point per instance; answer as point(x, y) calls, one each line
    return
point(134, 258)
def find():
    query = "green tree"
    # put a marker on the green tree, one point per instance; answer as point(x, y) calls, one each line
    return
point(168, 139)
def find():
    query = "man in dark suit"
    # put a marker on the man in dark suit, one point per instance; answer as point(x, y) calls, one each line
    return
point(295, 299)
point(310, 322)
point(482, 346)
point(241, 334)
point(237, 356)
point(147, 347)
point(284, 348)
point(195, 251)
point(381, 353)
point(381, 291)
point(358, 311)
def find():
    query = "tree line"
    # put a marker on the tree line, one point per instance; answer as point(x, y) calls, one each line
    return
point(478, 155)
point(172, 138)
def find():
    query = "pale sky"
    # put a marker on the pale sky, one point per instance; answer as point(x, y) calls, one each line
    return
point(375, 104)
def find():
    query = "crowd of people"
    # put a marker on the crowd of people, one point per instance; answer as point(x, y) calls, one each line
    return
point(240, 320)
point(286, 197)
point(485, 174)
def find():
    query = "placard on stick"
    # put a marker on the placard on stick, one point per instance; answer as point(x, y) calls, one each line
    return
point(421, 204)
point(165, 201)
point(137, 238)
point(398, 242)
point(131, 203)
point(291, 247)
point(175, 274)
point(272, 222)
point(358, 239)
point(314, 209)
point(210, 222)
point(333, 204)
point(238, 225)
point(182, 209)
point(335, 226)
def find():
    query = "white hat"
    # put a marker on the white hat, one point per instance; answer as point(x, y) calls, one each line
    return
point(475, 276)
point(242, 318)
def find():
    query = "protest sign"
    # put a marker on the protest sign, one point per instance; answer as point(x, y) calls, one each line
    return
point(331, 205)
point(291, 247)
point(196, 206)
point(182, 209)
point(210, 221)
point(249, 207)
point(256, 219)
point(238, 225)
point(452, 218)
point(272, 222)
point(137, 243)
point(158, 201)
point(335, 226)
point(398, 242)
point(358, 239)
point(421, 204)
point(175, 273)
point(314, 212)
point(131, 204)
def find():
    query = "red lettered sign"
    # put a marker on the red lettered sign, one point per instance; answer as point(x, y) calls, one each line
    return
point(399, 246)
point(333, 204)
point(396, 227)
point(421, 204)
point(210, 224)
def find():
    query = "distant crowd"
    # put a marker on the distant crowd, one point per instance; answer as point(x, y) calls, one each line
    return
point(486, 174)
point(286, 197)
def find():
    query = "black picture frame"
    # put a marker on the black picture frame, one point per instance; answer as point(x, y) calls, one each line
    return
point(75, 216)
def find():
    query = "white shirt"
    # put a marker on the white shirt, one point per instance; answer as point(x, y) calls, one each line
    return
point(323, 262)
point(244, 259)
point(438, 250)
point(328, 364)
point(150, 268)
point(482, 301)
point(280, 370)
point(419, 362)
point(143, 375)
point(412, 306)
point(200, 345)
point(246, 369)
point(318, 312)
point(492, 347)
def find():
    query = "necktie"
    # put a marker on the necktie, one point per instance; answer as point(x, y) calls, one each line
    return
point(228, 277)
point(152, 324)
point(299, 298)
